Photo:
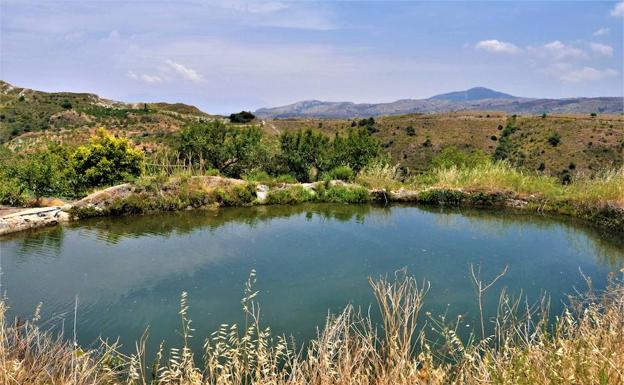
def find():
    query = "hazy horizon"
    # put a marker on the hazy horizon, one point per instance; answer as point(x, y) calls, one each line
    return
point(225, 56)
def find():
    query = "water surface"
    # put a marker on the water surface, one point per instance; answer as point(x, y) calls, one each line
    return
point(128, 273)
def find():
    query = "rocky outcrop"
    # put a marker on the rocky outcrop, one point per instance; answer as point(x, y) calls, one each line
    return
point(33, 218)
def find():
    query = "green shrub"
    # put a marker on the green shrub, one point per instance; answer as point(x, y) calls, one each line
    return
point(290, 195)
point(11, 192)
point(344, 173)
point(257, 176)
point(344, 194)
point(236, 195)
point(285, 178)
point(441, 197)
point(554, 139)
point(106, 160)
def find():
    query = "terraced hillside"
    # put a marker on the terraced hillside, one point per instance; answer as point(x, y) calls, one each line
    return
point(29, 118)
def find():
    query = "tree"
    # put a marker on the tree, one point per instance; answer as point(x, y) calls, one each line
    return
point(106, 160)
point(44, 173)
point(356, 150)
point(305, 153)
point(242, 117)
point(231, 150)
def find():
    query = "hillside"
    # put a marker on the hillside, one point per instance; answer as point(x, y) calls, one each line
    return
point(474, 99)
point(587, 143)
point(28, 113)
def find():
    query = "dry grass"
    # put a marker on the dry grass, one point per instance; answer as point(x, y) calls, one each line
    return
point(607, 187)
point(584, 346)
point(498, 176)
point(30, 356)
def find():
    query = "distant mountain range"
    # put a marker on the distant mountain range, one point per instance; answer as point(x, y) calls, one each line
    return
point(478, 98)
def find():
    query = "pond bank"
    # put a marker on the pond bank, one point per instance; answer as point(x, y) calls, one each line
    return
point(207, 192)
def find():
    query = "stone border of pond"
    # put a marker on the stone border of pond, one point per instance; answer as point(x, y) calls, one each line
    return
point(209, 192)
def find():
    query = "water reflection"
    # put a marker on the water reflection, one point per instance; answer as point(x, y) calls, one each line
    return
point(128, 272)
point(180, 223)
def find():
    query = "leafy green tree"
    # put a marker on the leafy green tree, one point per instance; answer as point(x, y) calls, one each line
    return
point(106, 160)
point(242, 117)
point(305, 153)
point(234, 151)
point(44, 173)
point(357, 149)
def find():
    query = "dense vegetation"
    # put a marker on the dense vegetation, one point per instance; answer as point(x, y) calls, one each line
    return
point(215, 147)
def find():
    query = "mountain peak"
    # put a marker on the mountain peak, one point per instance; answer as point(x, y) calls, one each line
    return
point(475, 93)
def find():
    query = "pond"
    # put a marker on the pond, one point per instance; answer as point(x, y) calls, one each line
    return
point(127, 274)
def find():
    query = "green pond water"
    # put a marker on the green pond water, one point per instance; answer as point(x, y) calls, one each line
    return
point(127, 273)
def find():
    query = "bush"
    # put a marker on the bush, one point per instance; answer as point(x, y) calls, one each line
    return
point(344, 194)
point(344, 173)
point(11, 193)
point(554, 139)
point(290, 195)
point(235, 195)
point(409, 130)
point(285, 178)
point(106, 160)
point(257, 176)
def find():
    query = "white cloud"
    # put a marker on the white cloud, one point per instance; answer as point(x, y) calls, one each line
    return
point(144, 77)
point(601, 49)
point(558, 51)
point(586, 74)
point(618, 10)
point(497, 46)
point(601, 31)
point(186, 72)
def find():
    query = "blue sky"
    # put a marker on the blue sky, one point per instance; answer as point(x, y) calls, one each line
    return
point(228, 55)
